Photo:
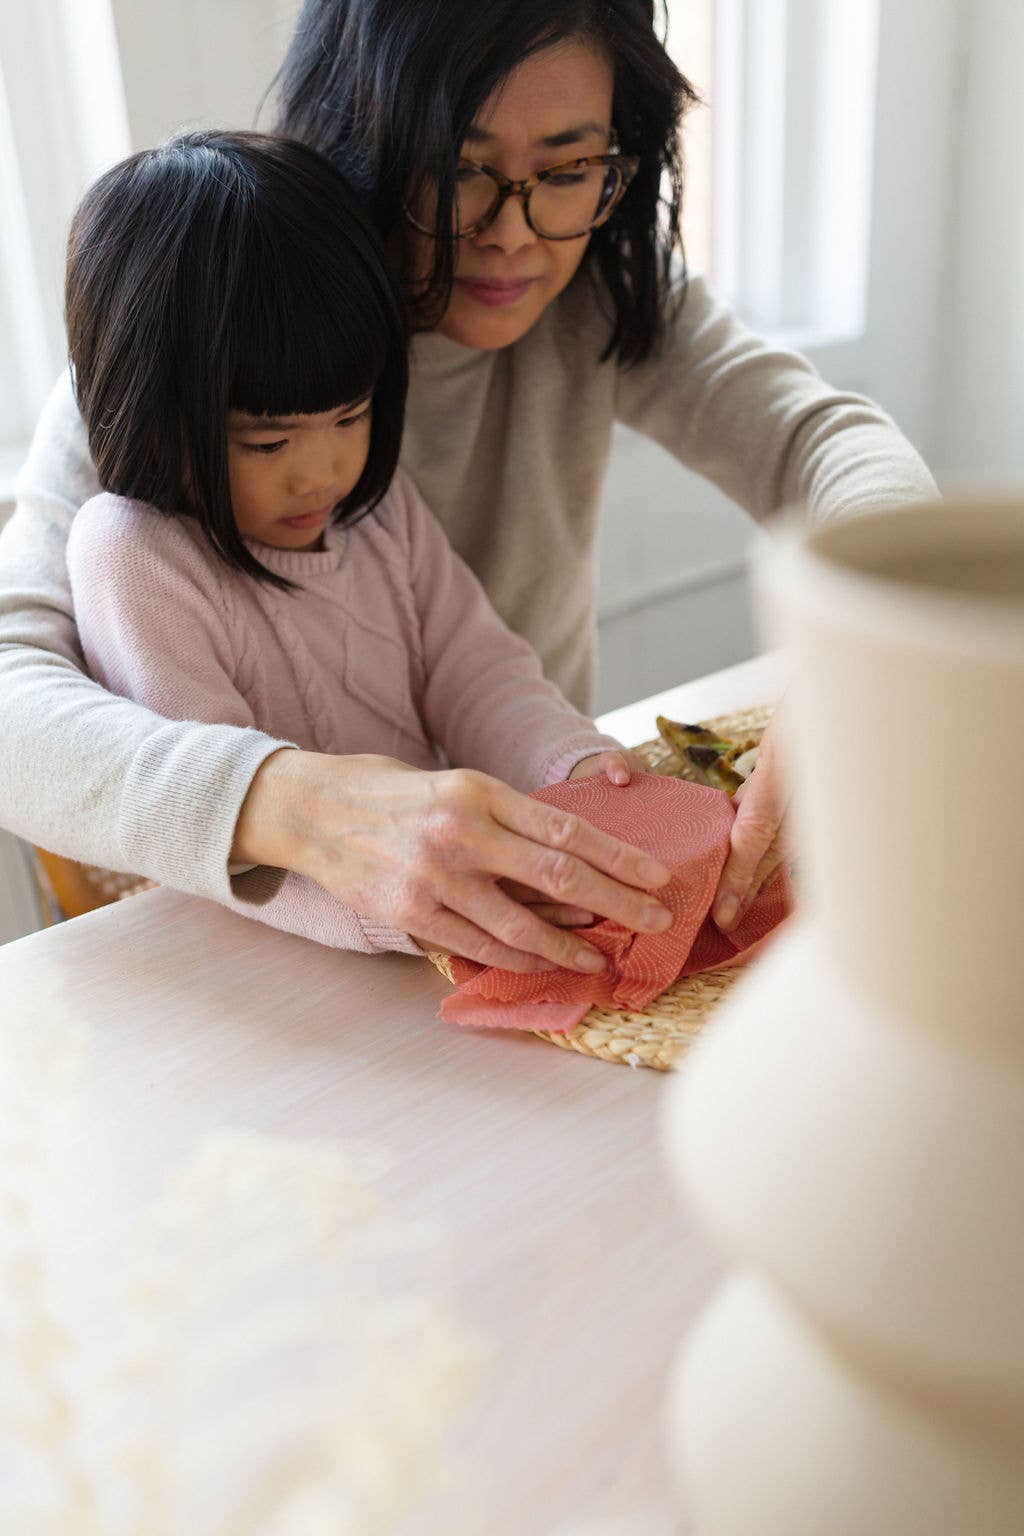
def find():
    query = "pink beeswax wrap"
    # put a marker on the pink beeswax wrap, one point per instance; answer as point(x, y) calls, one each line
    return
point(687, 827)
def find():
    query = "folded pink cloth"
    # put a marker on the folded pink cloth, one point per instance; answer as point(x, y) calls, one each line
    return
point(687, 827)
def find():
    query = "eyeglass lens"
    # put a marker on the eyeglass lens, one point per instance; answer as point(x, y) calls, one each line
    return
point(560, 206)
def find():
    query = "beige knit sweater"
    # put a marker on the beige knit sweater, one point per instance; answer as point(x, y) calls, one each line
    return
point(509, 449)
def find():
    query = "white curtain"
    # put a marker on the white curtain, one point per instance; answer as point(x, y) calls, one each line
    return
point(62, 121)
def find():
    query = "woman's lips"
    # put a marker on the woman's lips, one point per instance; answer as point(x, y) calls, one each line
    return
point(494, 293)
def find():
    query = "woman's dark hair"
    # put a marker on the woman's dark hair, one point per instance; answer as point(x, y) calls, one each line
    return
point(387, 89)
point(227, 271)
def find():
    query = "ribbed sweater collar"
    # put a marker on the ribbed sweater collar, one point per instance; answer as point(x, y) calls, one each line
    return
point(292, 563)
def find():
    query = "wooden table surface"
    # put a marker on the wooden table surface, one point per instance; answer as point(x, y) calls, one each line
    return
point(565, 1242)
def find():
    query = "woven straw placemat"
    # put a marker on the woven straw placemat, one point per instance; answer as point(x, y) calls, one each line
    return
point(659, 1035)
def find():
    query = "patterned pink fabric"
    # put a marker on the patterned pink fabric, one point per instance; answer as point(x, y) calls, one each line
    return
point(687, 827)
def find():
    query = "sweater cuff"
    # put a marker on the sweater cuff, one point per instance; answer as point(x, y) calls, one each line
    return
point(383, 939)
point(181, 803)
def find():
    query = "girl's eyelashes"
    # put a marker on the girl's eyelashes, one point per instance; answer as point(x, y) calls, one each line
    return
point(277, 445)
point(350, 421)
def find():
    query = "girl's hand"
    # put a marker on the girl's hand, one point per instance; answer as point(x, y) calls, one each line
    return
point(758, 838)
point(551, 911)
point(618, 766)
point(432, 853)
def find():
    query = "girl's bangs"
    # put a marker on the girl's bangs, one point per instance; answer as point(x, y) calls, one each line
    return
point(306, 341)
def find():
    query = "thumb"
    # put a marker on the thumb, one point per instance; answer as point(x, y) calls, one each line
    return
point(754, 849)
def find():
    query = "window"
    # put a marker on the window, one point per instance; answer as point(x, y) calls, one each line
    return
point(691, 34)
point(780, 166)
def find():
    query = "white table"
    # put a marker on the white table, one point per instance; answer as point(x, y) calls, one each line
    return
point(567, 1244)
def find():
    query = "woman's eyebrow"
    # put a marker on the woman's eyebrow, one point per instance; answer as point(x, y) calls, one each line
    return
point(550, 140)
point(573, 135)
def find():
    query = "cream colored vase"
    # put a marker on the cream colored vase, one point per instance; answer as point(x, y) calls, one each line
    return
point(851, 1127)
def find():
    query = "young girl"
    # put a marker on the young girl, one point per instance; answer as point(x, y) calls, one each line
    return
point(238, 351)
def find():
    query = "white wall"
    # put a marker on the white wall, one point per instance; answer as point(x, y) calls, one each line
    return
point(19, 897)
point(199, 61)
point(672, 599)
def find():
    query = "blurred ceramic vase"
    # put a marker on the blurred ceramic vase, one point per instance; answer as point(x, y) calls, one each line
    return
point(851, 1128)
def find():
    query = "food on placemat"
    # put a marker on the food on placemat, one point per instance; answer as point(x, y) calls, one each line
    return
point(709, 758)
point(746, 762)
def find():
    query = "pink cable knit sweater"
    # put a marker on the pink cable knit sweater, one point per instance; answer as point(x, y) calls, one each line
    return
point(388, 644)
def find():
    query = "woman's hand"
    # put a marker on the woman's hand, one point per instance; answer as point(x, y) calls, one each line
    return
point(427, 852)
point(619, 766)
point(758, 839)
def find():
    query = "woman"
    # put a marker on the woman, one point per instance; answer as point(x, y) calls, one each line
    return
point(553, 305)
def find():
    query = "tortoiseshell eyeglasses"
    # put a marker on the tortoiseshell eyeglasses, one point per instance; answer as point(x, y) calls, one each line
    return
point(561, 202)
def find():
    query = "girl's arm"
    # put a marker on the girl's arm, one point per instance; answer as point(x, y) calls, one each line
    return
point(155, 627)
point(485, 697)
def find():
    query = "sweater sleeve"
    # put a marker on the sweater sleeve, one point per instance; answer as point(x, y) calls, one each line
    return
point(485, 697)
point(155, 626)
point(91, 776)
point(760, 423)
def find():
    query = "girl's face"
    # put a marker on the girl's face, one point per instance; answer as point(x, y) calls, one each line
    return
point(555, 106)
point(288, 474)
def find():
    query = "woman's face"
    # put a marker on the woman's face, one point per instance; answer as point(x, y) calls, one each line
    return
point(555, 106)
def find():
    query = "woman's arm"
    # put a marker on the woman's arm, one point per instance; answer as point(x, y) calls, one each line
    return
point(758, 420)
point(88, 775)
point(438, 854)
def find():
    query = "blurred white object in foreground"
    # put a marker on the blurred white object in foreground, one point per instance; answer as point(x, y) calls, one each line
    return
point(852, 1127)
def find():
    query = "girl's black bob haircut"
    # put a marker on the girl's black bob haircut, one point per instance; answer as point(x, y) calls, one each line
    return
point(227, 271)
point(387, 89)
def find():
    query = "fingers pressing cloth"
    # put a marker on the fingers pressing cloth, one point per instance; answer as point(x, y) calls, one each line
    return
point(687, 827)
